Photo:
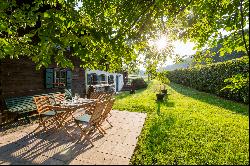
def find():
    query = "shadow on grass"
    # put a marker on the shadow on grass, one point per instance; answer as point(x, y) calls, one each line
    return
point(158, 134)
point(166, 103)
point(211, 99)
point(124, 94)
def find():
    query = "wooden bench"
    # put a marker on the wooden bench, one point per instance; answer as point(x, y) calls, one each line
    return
point(23, 105)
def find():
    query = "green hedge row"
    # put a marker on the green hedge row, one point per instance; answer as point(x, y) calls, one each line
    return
point(211, 78)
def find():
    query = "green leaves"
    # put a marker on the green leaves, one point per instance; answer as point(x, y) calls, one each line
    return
point(228, 79)
point(116, 28)
point(46, 15)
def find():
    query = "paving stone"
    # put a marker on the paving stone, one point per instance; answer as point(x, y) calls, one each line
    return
point(30, 129)
point(44, 160)
point(79, 162)
point(87, 154)
point(100, 158)
point(8, 147)
point(120, 161)
point(129, 140)
point(55, 147)
point(12, 137)
point(122, 150)
point(107, 147)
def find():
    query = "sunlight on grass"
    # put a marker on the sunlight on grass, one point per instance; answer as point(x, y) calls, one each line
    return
point(190, 128)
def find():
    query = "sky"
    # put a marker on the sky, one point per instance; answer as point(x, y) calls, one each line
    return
point(180, 48)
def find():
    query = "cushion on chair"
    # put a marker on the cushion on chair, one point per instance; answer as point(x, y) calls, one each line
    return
point(83, 118)
point(61, 111)
point(49, 113)
point(68, 94)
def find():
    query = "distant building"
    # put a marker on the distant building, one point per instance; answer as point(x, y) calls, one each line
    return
point(103, 81)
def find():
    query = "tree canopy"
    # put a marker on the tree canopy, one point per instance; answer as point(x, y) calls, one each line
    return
point(114, 31)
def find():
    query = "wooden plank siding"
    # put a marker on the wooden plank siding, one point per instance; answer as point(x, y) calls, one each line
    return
point(19, 77)
point(78, 81)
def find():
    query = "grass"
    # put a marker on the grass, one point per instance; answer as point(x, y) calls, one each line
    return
point(190, 127)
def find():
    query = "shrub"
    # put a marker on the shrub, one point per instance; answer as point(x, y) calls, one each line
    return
point(228, 79)
point(139, 83)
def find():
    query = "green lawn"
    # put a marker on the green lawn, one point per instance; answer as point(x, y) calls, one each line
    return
point(191, 127)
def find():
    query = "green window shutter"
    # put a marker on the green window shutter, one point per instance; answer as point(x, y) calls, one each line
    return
point(49, 78)
point(69, 79)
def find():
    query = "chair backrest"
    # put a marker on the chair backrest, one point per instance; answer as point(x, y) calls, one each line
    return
point(97, 113)
point(101, 96)
point(41, 103)
point(108, 108)
point(95, 95)
point(59, 97)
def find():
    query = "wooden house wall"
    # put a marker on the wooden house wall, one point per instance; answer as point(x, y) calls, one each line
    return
point(78, 81)
point(20, 78)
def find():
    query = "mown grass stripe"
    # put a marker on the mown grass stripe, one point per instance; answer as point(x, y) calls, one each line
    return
point(192, 127)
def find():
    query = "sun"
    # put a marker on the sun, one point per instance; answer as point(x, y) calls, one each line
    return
point(161, 43)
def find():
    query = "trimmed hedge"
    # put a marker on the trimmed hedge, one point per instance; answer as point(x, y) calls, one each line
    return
point(139, 83)
point(211, 78)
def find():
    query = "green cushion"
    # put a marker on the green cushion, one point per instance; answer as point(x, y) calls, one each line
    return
point(25, 103)
point(20, 104)
point(83, 118)
point(49, 113)
point(68, 94)
point(61, 111)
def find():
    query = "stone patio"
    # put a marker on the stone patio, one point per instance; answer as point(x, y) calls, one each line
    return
point(51, 147)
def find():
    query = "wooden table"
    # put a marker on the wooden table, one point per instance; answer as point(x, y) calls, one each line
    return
point(65, 110)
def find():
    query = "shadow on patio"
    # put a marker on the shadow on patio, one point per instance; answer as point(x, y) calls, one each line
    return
point(55, 147)
point(42, 147)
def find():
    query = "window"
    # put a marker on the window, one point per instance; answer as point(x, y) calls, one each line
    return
point(92, 79)
point(102, 78)
point(59, 77)
point(110, 79)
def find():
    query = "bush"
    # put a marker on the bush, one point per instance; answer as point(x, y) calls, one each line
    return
point(139, 83)
point(218, 78)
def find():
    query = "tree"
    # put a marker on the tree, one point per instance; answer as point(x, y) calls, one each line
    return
point(114, 30)
point(208, 19)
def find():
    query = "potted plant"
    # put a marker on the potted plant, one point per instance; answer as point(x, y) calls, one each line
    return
point(164, 90)
point(132, 90)
point(160, 96)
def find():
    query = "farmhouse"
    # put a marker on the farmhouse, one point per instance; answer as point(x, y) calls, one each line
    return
point(19, 78)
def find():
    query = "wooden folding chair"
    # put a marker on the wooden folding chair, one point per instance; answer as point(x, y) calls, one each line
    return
point(59, 98)
point(87, 123)
point(105, 113)
point(42, 103)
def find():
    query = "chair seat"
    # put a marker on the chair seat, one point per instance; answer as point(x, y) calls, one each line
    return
point(83, 118)
point(60, 111)
point(49, 113)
